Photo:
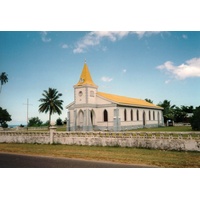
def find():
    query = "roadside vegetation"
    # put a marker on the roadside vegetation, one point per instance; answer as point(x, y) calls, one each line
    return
point(157, 158)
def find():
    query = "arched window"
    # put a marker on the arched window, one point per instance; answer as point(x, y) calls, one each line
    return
point(131, 115)
point(125, 117)
point(153, 115)
point(105, 115)
point(144, 118)
point(149, 115)
point(138, 115)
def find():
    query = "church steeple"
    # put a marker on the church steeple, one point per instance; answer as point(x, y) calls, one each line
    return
point(85, 78)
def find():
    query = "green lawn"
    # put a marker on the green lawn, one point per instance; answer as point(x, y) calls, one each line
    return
point(159, 129)
point(152, 157)
point(167, 128)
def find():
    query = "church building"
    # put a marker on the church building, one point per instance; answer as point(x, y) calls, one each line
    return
point(92, 110)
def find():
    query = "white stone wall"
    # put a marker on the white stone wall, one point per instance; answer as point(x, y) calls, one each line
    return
point(25, 137)
point(150, 121)
point(151, 140)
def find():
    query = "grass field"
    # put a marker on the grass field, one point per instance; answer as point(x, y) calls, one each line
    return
point(159, 129)
point(159, 158)
point(168, 129)
point(164, 128)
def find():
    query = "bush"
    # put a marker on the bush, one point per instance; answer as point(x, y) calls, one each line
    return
point(4, 125)
point(4, 117)
point(195, 120)
point(34, 121)
point(59, 122)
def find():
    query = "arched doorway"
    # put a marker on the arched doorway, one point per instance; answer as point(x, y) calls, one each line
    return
point(80, 120)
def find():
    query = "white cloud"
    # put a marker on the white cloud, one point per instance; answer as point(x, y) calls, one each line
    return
point(94, 38)
point(64, 46)
point(189, 69)
point(106, 79)
point(44, 37)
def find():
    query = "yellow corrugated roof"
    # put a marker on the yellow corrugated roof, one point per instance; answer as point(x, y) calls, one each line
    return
point(127, 100)
point(85, 78)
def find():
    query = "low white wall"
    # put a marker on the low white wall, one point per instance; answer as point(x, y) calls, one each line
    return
point(153, 141)
point(25, 137)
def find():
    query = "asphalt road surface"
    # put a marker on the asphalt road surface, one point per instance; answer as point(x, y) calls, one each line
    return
point(8, 160)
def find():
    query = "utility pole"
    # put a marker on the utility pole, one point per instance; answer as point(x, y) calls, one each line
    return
point(27, 104)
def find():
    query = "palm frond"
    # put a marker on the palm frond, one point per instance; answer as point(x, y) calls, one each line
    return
point(51, 102)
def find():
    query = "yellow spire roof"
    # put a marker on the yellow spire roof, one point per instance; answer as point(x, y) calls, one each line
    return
point(127, 100)
point(85, 78)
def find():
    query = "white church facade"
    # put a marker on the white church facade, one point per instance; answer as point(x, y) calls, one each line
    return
point(92, 110)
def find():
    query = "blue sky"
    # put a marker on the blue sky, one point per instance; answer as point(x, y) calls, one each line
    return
point(154, 65)
point(124, 64)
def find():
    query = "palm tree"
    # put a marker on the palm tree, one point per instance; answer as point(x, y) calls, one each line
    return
point(3, 79)
point(51, 103)
point(168, 111)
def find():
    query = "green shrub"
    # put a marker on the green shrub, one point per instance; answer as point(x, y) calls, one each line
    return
point(195, 120)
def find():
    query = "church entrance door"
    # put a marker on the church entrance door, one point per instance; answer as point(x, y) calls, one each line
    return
point(80, 120)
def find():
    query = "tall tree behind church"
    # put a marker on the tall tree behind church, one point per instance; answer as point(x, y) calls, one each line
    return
point(51, 103)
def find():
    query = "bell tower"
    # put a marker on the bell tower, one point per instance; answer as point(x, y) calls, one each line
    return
point(85, 90)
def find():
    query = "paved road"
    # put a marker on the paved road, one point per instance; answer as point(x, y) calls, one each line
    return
point(8, 160)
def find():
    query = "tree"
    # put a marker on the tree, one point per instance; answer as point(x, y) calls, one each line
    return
point(168, 111)
point(65, 122)
point(4, 117)
point(149, 100)
point(59, 122)
point(187, 109)
point(179, 114)
point(3, 79)
point(195, 120)
point(46, 123)
point(51, 103)
point(34, 121)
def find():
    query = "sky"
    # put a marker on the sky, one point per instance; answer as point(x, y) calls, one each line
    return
point(156, 65)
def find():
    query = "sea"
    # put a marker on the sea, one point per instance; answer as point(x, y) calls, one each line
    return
point(13, 126)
